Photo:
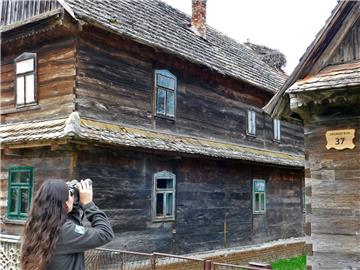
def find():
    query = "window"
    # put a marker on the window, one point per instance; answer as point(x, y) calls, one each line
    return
point(165, 84)
point(164, 196)
point(276, 125)
point(259, 197)
point(25, 79)
point(251, 126)
point(19, 192)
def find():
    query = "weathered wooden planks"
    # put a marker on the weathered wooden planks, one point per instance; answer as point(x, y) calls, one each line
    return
point(47, 164)
point(115, 82)
point(209, 195)
point(334, 199)
point(56, 80)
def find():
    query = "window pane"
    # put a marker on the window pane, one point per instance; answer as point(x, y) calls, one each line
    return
point(13, 200)
point(20, 98)
point(24, 201)
point(20, 177)
point(259, 185)
point(262, 200)
point(251, 122)
point(164, 183)
point(165, 81)
point(30, 95)
point(160, 103)
point(169, 204)
point(170, 106)
point(159, 204)
point(25, 66)
point(257, 202)
point(276, 129)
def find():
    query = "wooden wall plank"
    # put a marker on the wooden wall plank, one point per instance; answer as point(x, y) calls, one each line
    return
point(115, 83)
point(209, 194)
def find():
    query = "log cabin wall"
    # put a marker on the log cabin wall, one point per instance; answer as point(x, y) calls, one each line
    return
point(213, 201)
point(47, 164)
point(55, 78)
point(332, 195)
point(115, 82)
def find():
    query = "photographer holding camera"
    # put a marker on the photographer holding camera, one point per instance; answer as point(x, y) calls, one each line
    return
point(54, 237)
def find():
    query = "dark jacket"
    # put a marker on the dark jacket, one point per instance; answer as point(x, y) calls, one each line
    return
point(74, 239)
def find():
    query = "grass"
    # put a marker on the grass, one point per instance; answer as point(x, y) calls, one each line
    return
point(295, 263)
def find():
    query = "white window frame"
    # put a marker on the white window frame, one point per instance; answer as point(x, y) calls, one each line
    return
point(277, 129)
point(166, 192)
point(25, 67)
point(168, 89)
point(251, 122)
point(262, 202)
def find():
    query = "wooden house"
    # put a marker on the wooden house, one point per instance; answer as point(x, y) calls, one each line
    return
point(161, 111)
point(324, 92)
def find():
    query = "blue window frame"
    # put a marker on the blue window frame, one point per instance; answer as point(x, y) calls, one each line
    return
point(163, 201)
point(259, 196)
point(165, 84)
point(20, 184)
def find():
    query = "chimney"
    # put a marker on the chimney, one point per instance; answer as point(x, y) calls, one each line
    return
point(198, 17)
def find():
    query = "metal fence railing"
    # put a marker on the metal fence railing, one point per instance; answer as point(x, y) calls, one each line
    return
point(111, 259)
point(101, 259)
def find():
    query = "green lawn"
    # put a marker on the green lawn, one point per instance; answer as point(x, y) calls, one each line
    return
point(295, 263)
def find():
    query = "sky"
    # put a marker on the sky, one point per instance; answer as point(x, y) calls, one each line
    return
point(287, 25)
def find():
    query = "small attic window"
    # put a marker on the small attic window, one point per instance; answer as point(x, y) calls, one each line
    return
point(277, 129)
point(25, 79)
point(251, 123)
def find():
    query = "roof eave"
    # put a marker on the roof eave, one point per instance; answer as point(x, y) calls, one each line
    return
point(279, 106)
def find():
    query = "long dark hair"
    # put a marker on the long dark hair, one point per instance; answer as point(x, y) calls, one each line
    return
point(41, 232)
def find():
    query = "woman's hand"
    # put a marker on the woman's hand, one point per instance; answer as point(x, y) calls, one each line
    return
point(85, 192)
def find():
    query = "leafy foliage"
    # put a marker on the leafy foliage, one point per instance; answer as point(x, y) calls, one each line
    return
point(295, 263)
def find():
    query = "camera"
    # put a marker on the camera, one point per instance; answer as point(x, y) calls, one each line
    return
point(74, 189)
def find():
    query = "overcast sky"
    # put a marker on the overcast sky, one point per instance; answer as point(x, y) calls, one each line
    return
point(287, 25)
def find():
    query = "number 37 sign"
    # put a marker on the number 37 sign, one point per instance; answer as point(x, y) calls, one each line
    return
point(340, 139)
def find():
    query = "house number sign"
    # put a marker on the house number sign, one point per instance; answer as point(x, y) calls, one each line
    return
point(340, 139)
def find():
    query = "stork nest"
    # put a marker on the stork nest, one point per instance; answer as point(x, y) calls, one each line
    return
point(272, 57)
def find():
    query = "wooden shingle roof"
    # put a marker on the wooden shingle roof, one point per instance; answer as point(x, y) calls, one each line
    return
point(339, 22)
point(332, 77)
point(158, 25)
point(76, 128)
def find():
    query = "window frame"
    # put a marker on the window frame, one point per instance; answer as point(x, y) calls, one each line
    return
point(251, 123)
point(168, 74)
point(276, 130)
point(155, 191)
point(18, 186)
point(23, 57)
point(262, 210)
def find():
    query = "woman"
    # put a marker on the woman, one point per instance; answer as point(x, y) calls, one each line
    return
point(53, 236)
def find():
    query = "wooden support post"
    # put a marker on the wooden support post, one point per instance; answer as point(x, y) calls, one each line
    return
point(153, 261)
point(208, 265)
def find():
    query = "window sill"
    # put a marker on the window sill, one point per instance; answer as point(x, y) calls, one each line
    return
point(21, 109)
point(14, 221)
point(157, 220)
point(259, 213)
point(250, 135)
point(165, 117)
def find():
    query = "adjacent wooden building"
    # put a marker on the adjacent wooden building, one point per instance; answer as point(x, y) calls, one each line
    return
point(162, 111)
point(324, 92)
